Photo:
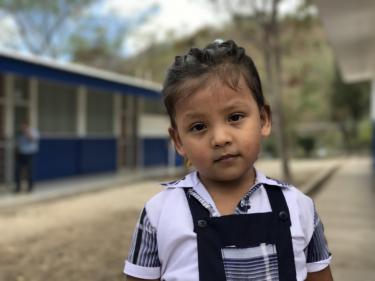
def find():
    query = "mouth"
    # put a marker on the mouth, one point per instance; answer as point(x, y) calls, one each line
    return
point(226, 157)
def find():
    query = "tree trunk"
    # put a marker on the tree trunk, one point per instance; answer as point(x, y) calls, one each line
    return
point(272, 59)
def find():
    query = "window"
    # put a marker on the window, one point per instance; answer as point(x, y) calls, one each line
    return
point(153, 106)
point(20, 89)
point(57, 108)
point(99, 113)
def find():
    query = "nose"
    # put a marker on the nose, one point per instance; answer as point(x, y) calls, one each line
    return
point(220, 136)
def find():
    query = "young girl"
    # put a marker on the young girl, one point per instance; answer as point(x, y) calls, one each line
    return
point(225, 220)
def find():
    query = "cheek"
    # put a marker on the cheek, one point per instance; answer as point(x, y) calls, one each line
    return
point(251, 142)
point(196, 152)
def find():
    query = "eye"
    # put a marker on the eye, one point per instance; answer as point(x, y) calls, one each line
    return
point(197, 127)
point(235, 117)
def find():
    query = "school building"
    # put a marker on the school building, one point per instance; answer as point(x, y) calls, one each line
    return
point(90, 121)
point(349, 26)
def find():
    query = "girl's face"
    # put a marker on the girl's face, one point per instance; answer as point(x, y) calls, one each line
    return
point(220, 130)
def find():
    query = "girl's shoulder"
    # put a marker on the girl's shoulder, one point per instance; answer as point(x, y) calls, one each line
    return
point(171, 200)
point(297, 201)
point(288, 189)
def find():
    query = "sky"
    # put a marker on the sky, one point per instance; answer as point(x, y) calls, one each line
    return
point(176, 18)
point(173, 18)
point(169, 19)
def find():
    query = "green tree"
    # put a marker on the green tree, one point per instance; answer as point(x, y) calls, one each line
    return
point(349, 105)
point(95, 46)
point(44, 26)
point(308, 144)
point(99, 41)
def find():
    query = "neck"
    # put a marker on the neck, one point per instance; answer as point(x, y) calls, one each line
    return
point(243, 182)
point(227, 194)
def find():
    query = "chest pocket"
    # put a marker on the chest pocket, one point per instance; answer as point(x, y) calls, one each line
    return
point(251, 264)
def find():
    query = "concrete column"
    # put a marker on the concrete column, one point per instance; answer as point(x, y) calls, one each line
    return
point(9, 129)
point(372, 116)
point(81, 111)
point(131, 131)
point(139, 105)
point(117, 111)
point(117, 101)
point(33, 102)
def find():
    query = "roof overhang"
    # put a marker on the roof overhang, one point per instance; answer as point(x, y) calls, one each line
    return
point(76, 74)
point(350, 27)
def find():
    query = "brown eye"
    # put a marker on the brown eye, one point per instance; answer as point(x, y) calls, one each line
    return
point(197, 127)
point(235, 117)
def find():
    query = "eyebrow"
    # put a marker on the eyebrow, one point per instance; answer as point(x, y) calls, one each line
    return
point(193, 115)
point(230, 106)
point(236, 105)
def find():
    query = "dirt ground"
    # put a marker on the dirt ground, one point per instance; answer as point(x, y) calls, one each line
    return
point(85, 237)
point(78, 238)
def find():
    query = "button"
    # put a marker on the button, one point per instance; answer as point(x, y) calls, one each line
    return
point(283, 216)
point(202, 223)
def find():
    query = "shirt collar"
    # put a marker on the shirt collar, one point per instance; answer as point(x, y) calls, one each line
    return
point(192, 180)
point(263, 179)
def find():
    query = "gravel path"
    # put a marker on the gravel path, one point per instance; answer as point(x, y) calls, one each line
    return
point(79, 238)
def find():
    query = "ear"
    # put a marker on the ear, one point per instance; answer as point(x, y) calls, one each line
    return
point(266, 120)
point(173, 133)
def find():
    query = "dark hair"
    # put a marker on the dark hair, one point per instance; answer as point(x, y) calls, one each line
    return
point(192, 71)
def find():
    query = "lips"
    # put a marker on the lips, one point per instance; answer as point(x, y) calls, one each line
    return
point(226, 157)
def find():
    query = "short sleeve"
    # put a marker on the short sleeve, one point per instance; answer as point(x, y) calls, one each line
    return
point(317, 254)
point(143, 259)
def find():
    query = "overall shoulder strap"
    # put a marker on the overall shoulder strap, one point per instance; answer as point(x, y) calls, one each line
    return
point(197, 211)
point(278, 202)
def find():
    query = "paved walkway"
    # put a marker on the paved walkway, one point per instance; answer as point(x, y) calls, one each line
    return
point(60, 188)
point(346, 205)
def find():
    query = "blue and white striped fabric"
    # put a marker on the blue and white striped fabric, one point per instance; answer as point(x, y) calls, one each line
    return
point(251, 264)
point(317, 249)
point(144, 251)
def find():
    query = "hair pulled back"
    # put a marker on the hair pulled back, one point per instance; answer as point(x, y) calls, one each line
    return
point(192, 71)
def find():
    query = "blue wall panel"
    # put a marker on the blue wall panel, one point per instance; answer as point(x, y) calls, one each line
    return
point(56, 158)
point(155, 151)
point(67, 157)
point(97, 155)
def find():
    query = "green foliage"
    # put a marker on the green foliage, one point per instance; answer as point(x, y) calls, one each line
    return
point(349, 106)
point(269, 148)
point(44, 26)
point(349, 102)
point(364, 134)
point(308, 144)
point(92, 45)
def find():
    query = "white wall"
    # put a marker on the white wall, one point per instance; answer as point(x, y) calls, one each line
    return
point(153, 126)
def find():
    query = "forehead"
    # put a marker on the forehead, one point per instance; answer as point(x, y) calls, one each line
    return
point(215, 94)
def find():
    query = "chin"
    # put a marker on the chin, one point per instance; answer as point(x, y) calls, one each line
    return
point(231, 176)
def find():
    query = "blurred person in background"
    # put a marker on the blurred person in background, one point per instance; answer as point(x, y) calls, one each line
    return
point(27, 145)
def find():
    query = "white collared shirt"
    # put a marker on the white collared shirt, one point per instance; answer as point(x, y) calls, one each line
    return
point(164, 243)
